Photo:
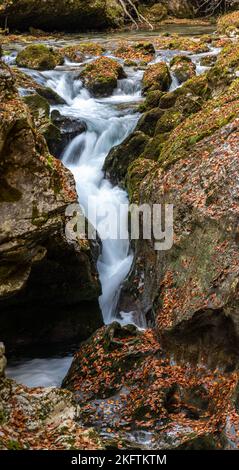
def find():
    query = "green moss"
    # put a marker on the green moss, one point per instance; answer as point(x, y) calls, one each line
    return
point(136, 173)
point(157, 77)
point(101, 75)
point(14, 445)
point(39, 57)
point(216, 114)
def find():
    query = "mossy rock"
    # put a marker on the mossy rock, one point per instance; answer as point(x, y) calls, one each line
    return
point(139, 51)
point(208, 60)
point(79, 52)
point(148, 121)
point(100, 76)
point(120, 157)
point(157, 77)
point(136, 173)
point(40, 111)
point(152, 100)
point(39, 57)
point(183, 68)
point(157, 13)
point(216, 114)
point(182, 43)
point(229, 24)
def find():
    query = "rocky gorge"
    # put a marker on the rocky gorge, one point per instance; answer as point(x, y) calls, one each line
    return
point(156, 118)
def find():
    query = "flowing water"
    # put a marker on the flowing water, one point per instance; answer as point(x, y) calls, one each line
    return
point(109, 121)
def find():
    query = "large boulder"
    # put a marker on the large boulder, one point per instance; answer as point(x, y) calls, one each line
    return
point(183, 68)
point(157, 77)
point(229, 24)
point(39, 57)
point(192, 289)
point(48, 285)
point(100, 76)
point(133, 393)
point(77, 15)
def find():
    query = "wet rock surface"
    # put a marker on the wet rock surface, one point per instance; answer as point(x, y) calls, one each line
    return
point(39, 268)
point(136, 396)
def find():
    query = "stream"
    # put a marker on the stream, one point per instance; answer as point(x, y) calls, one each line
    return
point(109, 121)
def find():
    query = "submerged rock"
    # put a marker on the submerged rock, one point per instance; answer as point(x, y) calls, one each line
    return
point(39, 57)
point(47, 284)
point(100, 76)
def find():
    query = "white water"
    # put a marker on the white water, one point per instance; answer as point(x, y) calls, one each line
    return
point(108, 124)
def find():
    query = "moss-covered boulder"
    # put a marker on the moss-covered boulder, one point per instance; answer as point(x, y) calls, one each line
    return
point(79, 52)
point(40, 111)
point(39, 57)
point(141, 51)
point(208, 60)
point(100, 76)
point(119, 158)
point(178, 405)
point(76, 15)
point(157, 77)
point(229, 24)
point(183, 68)
point(156, 13)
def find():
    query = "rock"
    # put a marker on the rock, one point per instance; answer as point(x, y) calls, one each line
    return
point(40, 111)
point(182, 43)
point(177, 405)
point(50, 95)
point(69, 127)
point(192, 289)
point(157, 13)
point(100, 76)
point(3, 360)
point(119, 158)
point(39, 57)
point(209, 60)
point(75, 16)
point(229, 24)
point(142, 51)
point(79, 52)
point(157, 77)
point(180, 8)
point(22, 80)
point(183, 68)
point(47, 283)
point(42, 418)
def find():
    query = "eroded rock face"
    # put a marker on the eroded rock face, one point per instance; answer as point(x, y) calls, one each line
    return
point(78, 15)
point(45, 281)
point(129, 389)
